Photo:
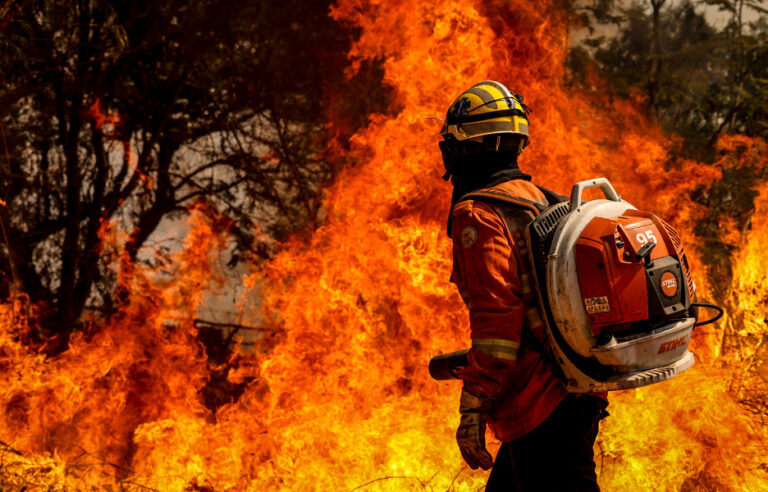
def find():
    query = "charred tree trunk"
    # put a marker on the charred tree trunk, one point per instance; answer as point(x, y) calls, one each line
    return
point(163, 203)
point(89, 264)
point(70, 126)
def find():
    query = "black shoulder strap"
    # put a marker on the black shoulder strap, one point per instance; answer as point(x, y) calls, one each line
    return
point(494, 196)
point(500, 198)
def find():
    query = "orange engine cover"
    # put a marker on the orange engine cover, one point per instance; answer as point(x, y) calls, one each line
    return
point(613, 280)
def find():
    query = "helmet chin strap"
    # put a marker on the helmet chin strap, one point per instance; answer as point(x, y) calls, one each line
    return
point(448, 149)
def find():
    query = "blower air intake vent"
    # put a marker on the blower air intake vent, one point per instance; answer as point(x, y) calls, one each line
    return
point(680, 254)
point(547, 221)
point(673, 234)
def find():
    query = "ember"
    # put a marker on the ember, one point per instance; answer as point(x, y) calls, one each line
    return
point(341, 398)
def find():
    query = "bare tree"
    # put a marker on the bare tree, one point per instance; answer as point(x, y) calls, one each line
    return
point(131, 111)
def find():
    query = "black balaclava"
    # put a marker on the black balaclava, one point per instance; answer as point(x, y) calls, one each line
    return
point(477, 170)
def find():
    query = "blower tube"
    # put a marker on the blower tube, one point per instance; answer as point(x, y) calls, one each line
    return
point(448, 366)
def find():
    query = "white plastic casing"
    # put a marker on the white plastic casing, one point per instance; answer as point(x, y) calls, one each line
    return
point(645, 358)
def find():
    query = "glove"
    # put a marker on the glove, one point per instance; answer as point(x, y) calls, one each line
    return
point(471, 432)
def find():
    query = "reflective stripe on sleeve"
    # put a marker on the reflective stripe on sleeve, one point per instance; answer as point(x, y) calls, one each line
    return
point(533, 318)
point(525, 284)
point(496, 347)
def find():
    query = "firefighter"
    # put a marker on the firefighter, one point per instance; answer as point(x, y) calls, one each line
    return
point(510, 383)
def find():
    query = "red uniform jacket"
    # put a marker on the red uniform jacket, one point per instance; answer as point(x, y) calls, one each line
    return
point(492, 272)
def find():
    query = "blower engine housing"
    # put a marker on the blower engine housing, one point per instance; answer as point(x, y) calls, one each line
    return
point(615, 288)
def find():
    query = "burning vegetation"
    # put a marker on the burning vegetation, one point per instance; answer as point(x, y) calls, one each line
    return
point(336, 395)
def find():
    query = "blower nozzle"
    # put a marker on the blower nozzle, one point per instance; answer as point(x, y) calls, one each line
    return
point(448, 366)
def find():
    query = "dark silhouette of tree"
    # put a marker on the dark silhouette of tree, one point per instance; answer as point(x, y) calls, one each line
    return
point(132, 110)
point(700, 80)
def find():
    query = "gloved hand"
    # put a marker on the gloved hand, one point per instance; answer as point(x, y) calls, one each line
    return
point(471, 432)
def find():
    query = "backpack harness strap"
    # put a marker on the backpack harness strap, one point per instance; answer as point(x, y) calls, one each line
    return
point(495, 196)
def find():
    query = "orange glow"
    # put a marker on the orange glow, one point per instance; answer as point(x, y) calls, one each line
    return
point(106, 123)
point(341, 398)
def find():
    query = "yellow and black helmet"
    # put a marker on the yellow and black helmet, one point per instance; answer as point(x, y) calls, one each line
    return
point(486, 117)
point(486, 108)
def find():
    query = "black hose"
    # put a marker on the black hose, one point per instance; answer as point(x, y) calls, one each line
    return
point(709, 306)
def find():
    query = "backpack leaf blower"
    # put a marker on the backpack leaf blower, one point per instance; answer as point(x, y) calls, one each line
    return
point(614, 285)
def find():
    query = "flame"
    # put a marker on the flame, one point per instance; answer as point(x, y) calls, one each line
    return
point(143, 365)
point(341, 398)
point(108, 124)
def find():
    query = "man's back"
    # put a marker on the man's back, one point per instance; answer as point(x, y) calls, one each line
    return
point(492, 271)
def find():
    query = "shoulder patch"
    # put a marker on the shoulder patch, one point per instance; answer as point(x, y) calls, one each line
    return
point(468, 236)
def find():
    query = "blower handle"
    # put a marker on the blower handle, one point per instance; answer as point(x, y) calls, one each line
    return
point(448, 366)
point(604, 185)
